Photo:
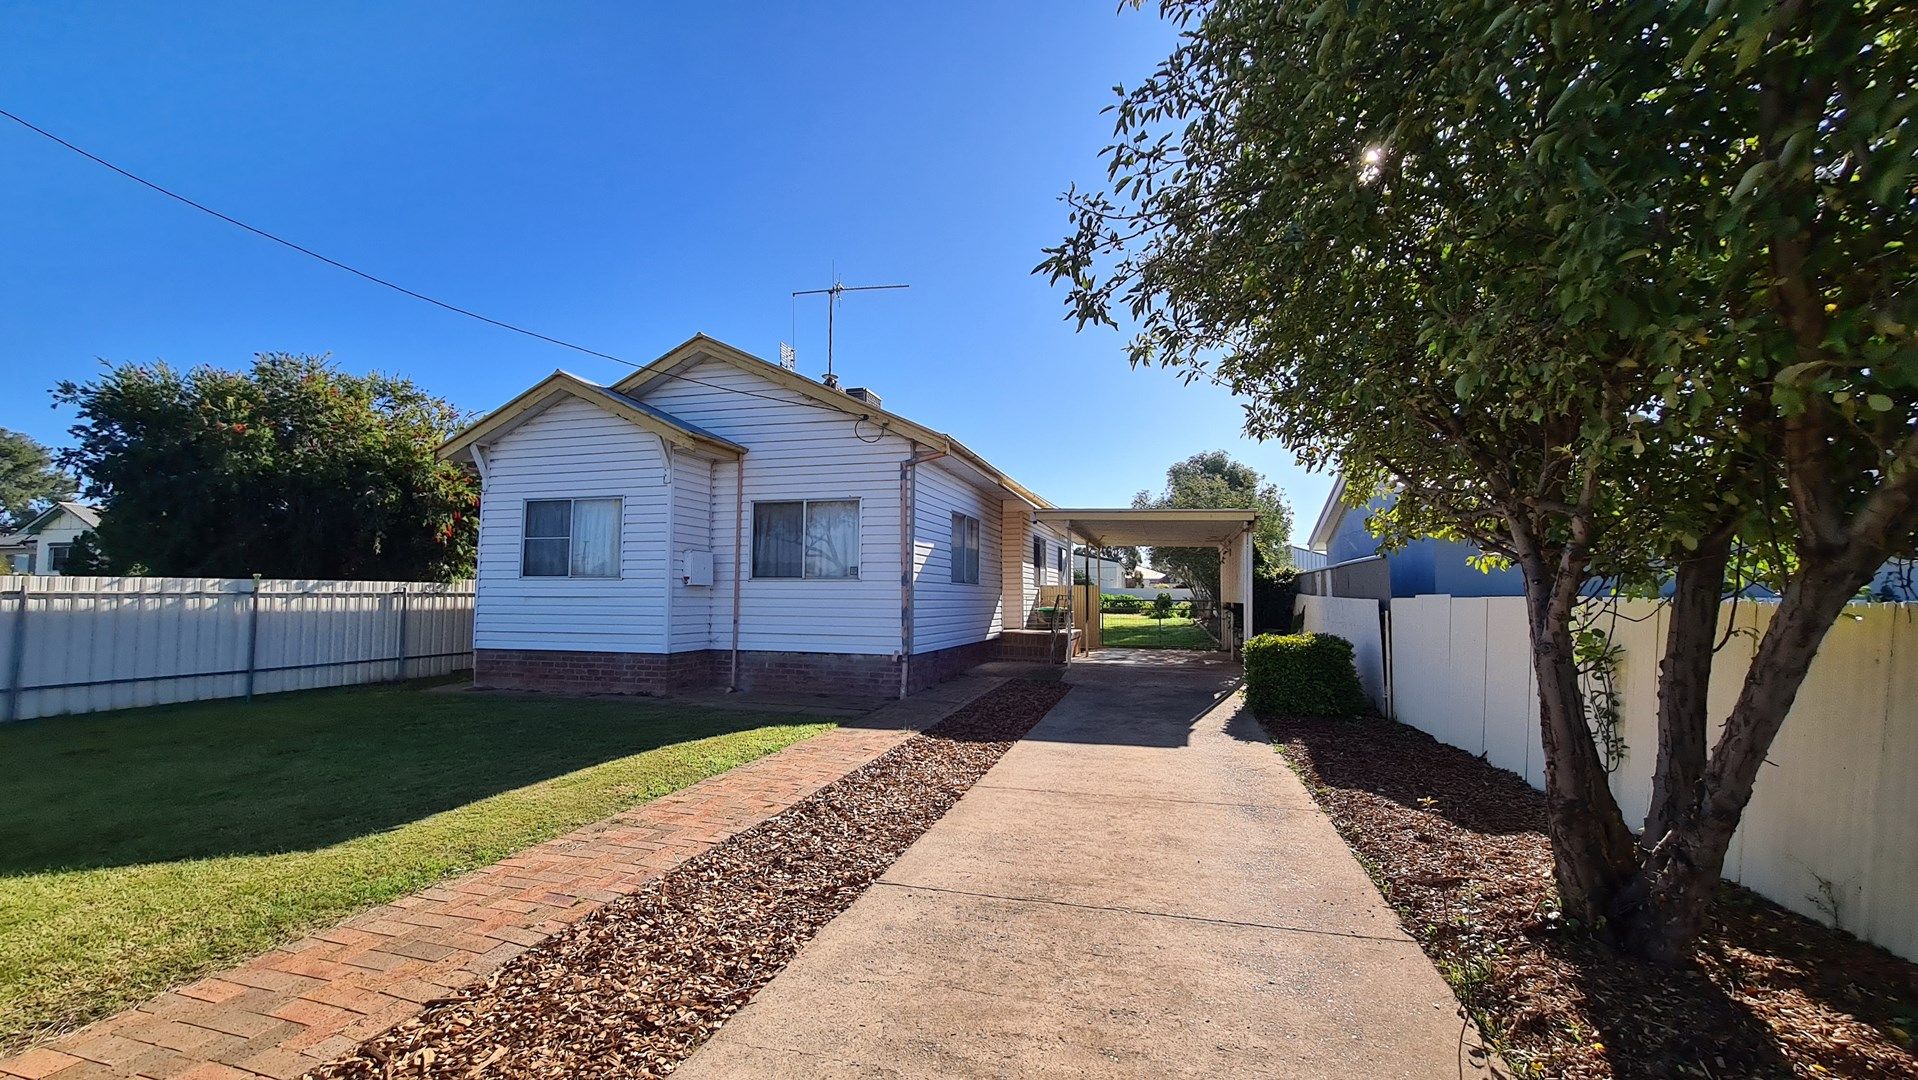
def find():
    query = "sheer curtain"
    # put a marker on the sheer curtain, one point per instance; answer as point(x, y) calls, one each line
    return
point(596, 538)
point(832, 539)
point(778, 539)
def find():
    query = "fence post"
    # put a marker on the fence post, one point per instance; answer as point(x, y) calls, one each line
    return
point(252, 635)
point(402, 656)
point(17, 654)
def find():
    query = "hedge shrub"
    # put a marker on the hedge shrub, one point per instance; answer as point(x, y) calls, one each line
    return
point(1302, 675)
point(1121, 603)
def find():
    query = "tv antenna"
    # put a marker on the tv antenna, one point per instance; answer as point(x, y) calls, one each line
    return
point(832, 294)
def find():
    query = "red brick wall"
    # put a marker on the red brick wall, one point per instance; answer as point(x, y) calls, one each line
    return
point(1035, 646)
point(936, 667)
point(659, 673)
point(852, 674)
point(596, 672)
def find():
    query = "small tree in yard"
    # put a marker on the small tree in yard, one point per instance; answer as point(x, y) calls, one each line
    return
point(1614, 291)
point(1214, 481)
point(1162, 609)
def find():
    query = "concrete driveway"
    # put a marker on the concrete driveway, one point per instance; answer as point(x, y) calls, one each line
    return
point(1139, 888)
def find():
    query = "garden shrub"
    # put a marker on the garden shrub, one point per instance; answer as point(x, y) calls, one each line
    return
point(1302, 675)
point(1121, 603)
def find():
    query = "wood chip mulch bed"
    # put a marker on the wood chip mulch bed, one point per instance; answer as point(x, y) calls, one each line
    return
point(633, 989)
point(1458, 847)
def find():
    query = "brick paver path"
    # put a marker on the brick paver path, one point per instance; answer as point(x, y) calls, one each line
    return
point(308, 1002)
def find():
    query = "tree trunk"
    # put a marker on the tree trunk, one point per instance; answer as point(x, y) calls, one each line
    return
point(1667, 906)
point(1684, 678)
point(1593, 853)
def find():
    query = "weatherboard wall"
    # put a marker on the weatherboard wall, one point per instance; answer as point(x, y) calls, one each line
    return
point(947, 613)
point(574, 450)
point(796, 450)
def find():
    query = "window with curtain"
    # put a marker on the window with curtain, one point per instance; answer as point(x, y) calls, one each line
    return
point(570, 538)
point(965, 550)
point(806, 539)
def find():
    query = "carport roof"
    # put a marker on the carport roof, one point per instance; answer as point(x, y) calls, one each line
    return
point(1150, 528)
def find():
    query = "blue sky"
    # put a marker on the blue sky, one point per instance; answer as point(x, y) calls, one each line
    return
point(618, 175)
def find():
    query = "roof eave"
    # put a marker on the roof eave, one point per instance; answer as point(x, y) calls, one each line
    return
point(1329, 516)
point(459, 446)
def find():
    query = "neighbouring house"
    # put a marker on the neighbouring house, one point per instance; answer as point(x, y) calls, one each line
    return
point(43, 545)
point(1114, 578)
point(1304, 559)
point(715, 519)
point(1351, 564)
point(1110, 572)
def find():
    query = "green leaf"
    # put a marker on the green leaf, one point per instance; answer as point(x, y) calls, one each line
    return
point(1752, 177)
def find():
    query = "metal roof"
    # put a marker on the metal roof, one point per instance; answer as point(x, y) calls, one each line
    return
point(1126, 527)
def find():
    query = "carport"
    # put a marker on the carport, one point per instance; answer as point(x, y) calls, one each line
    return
point(1230, 531)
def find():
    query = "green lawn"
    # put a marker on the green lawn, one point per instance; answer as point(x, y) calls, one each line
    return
point(1144, 632)
point(142, 848)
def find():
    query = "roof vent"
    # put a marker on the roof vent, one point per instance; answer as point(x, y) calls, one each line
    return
point(860, 393)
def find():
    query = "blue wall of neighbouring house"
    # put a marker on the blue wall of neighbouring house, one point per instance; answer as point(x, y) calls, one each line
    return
point(1422, 566)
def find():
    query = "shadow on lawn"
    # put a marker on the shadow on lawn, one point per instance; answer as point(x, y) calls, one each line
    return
point(300, 771)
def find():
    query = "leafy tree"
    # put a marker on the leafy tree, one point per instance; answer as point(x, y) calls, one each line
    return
point(291, 469)
point(1214, 481)
point(1616, 292)
point(1162, 608)
point(29, 482)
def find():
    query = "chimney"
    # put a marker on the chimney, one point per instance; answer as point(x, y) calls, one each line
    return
point(860, 393)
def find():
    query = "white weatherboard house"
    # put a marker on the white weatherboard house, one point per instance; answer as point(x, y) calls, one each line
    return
point(42, 546)
point(716, 520)
point(633, 537)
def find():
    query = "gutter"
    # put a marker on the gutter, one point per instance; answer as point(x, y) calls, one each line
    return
point(908, 514)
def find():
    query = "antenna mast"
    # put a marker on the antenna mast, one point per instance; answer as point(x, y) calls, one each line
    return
point(832, 294)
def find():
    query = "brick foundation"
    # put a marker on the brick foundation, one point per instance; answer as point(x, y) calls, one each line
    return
point(851, 674)
point(928, 669)
point(596, 672)
point(1031, 646)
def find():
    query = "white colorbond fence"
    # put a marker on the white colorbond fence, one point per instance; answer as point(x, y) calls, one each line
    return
point(85, 644)
point(1356, 619)
point(1832, 829)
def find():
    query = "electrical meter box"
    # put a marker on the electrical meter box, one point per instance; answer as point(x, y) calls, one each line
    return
point(697, 568)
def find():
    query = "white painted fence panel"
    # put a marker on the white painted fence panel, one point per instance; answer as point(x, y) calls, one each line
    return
point(1357, 621)
point(1832, 828)
point(86, 644)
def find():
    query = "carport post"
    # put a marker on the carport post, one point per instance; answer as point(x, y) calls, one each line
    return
point(1246, 589)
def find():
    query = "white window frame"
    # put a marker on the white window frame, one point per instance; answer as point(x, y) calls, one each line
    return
point(59, 552)
point(805, 512)
point(968, 536)
point(619, 537)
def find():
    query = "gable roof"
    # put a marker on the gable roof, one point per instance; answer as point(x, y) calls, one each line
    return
point(86, 515)
point(459, 447)
point(1330, 515)
point(703, 347)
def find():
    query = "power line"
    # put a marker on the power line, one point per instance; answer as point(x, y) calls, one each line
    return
point(377, 280)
